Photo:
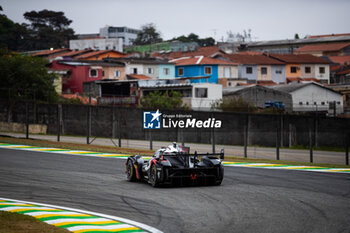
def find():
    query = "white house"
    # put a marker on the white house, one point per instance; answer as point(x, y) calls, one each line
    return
point(313, 97)
point(198, 96)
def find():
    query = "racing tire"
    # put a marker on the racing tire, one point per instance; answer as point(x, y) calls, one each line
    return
point(153, 179)
point(130, 171)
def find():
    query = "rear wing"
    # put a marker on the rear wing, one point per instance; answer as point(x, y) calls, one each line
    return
point(195, 154)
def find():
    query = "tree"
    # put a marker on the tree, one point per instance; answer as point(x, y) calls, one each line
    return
point(234, 105)
point(13, 35)
point(163, 100)
point(49, 29)
point(209, 41)
point(148, 35)
point(26, 77)
point(296, 36)
point(246, 36)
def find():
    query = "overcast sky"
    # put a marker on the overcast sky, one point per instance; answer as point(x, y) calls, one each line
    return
point(268, 19)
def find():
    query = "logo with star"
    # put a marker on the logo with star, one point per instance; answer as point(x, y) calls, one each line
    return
point(151, 120)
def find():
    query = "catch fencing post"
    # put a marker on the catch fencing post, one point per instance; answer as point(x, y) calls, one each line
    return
point(88, 125)
point(246, 135)
point(310, 142)
point(278, 139)
point(150, 140)
point(58, 122)
point(347, 149)
point(27, 121)
point(212, 133)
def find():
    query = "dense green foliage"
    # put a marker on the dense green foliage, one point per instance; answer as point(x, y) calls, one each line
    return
point(234, 105)
point(47, 29)
point(163, 100)
point(25, 77)
point(209, 41)
point(148, 35)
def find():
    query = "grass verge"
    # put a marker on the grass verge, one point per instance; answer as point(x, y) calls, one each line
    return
point(110, 149)
point(19, 223)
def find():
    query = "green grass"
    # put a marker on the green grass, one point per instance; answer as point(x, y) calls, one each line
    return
point(19, 223)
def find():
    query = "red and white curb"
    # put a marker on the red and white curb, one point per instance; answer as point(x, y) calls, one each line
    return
point(74, 220)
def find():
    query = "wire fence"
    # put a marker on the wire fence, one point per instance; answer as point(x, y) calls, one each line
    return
point(244, 134)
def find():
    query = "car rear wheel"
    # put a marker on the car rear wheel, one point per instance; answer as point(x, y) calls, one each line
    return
point(130, 171)
point(153, 179)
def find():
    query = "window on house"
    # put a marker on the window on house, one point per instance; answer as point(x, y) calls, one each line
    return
point(166, 71)
point(201, 92)
point(117, 73)
point(227, 72)
point(293, 69)
point(263, 70)
point(278, 71)
point(249, 70)
point(322, 103)
point(207, 70)
point(300, 103)
point(338, 102)
point(103, 73)
point(93, 73)
point(322, 70)
point(181, 71)
point(150, 70)
point(134, 70)
point(307, 103)
point(229, 84)
point(307, 70)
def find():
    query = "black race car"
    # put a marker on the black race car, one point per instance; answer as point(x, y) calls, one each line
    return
point(175, 165)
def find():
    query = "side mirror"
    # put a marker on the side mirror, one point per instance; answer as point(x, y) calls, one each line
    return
point(222, 156)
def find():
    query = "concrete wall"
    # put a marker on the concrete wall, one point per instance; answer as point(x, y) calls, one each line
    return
point(233, 71)
point(307, 75)
point(264, 77)
point(197, 71)
point(261, 128)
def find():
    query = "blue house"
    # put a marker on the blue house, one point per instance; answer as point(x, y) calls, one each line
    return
point(202, 69)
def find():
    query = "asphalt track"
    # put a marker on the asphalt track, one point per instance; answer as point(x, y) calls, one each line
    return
point(249, 199)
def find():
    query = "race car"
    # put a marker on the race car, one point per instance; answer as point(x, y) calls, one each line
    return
point(175, 165)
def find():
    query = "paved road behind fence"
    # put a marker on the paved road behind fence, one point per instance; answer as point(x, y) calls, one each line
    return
point(252, 152)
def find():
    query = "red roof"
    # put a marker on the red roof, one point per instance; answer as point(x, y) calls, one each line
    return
point(346, 71)
point(252, 59)
point(250, 53)
point(299, 59)
point(49, 52)
point(139, 76)
point(323, 47)
point(71, 53)
point(96, 53)
point(201, 60)
point(341, 59)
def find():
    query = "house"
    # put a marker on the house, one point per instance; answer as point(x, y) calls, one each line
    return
point(256, 67)
point(305, 66)
point(344, 89)
point(313, 97)
point(99, 55)
point(334, 49)
point(154, 68)
point(74, 73)
point(258, 95)
point(205, 69)
point(197, 96)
